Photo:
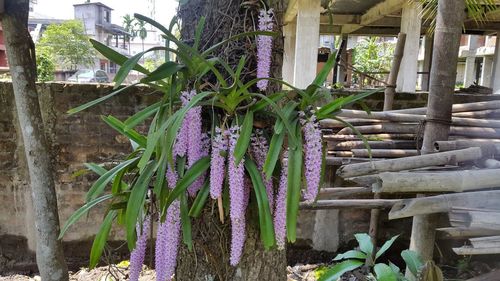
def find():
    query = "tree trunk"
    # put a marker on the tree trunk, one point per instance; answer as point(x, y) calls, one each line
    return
point(450, 18)
point(210, 258)
point(21, 56)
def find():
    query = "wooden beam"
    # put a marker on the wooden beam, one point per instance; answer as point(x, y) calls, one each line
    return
point(291, 11)
point(338, 19)
point(375, 13)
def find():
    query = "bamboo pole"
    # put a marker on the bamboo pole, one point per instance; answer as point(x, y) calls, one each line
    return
point(467, 251)
point(390, 89)
point(384, 153)
point(464, 232)
point(339, 192)
point(488, 144)
point(378, 137)
point(349, 204)
point(443, 203)
point(420, 182)
point(488, 113)
point(408, 163)
point(412, 118)
point(490, 276)
point(389, 144)
point(335, 124)
point(456, 108)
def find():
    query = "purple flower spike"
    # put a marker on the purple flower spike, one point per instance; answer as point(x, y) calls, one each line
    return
point(139, 252)
point(280, 211)
point(217, 169)
point(238, 236)
point(264, 48)
point(167, 243)
point(195, 149)
point(260, 149)
point(168, 236)
point(237, 200)
point(313, 157)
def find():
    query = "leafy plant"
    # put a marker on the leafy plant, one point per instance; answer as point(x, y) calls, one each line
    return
point(364, 255)
point(139, 188)
point(45, 67)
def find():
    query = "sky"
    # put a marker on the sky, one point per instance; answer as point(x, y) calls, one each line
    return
point(63, 9)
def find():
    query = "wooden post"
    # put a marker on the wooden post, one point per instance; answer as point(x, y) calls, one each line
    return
point(390, 90)
point(427, 63)
point(289, 32)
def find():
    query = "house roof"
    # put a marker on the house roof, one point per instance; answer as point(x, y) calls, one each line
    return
point(93, 3)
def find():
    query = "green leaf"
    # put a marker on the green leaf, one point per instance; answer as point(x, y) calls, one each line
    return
point(140, 116)
point(200, 200)
point(99, 100)
point(163, 71)
point(98, 187)
point(265, 218)
point(262, 104)
point(95, 168)
point(365, 243)
point(244, 138)
point(294, 183)
point(356, 131)
point(413, 261)
point(186, 222)
point(336, 271)
point(323, 73)
point(273, 154)
point(236, 37)
point(384, 272)
point(338, 103)
point(101, 238)
point(126, 68)
point(198, 32)
point(80, 212)
point(352, 254)
point(386, 246)
point(119, 126)
point(136, 202)
point(196, 170)
point(114, 56)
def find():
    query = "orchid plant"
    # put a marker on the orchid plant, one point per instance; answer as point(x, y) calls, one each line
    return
point(184, 160)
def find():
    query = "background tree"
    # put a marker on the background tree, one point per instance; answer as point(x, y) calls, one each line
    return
point(45, 67)
point(68, 44)
point(129, 25)
point(21, 50)
point(373, 54)
point(142, 32)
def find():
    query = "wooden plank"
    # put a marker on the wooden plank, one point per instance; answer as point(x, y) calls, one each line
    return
point(349, 204)
point(444, 203)
point(423, 182)
point(485, 242)
point(408, 163)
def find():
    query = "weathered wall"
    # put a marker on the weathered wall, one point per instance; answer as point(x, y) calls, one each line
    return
point(83, 137)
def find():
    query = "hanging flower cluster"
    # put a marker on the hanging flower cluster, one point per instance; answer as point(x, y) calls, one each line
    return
point(167, 237)
point(313, 156)
point(264, 48)
point(139, 252)
point(260, 148)
point(280, 212)
point(217, 167)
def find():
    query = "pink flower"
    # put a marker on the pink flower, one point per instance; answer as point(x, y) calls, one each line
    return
point(217, 169)
point(313, 157)
point(139, 252)
point(237, 200)
point(264, 48)
point(260, 149)
point(280, 212)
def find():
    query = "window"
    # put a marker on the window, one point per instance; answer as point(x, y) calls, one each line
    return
point(112, 67)
point(107, 16)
